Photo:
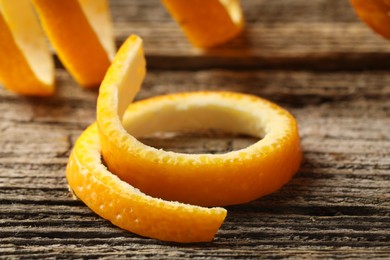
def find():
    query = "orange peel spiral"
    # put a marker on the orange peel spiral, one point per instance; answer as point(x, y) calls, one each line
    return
point(215, 179)
point(199, 179)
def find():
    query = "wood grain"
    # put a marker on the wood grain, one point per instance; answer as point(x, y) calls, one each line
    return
point(312, 57)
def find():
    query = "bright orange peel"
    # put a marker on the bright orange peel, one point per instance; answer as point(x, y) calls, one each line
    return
point(26, 65)
point(207, 23)
point(201, 179)
point(130, 209)
point(172, 179)
point(80, 32)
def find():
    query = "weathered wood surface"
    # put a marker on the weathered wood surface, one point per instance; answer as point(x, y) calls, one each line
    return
point(338, 205)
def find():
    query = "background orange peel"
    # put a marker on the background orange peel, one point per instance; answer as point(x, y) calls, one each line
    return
point(26, 65)
point(80, 32)
point(375, 13)
point(207, 23)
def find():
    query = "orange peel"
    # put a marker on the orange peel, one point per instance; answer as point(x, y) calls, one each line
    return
point(215, 179)
point(174, 181)
point(80, 32)
point(207, 23)
point(23, 51)
point(375, 13)
point(130, 209)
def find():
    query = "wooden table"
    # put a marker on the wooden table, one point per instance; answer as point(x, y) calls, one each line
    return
point(314, 58)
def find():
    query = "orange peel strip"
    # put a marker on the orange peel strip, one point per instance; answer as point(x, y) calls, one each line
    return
point(201, 179)
point(130, 209)
point(375, 13)
point(207, 23)
point(23, 51)
point(80, 32)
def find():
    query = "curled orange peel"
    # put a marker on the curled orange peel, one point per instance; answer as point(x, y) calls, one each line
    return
point(80, 32)
point(26, 65)
point(118, 193)
point(219, 179)
point(207, 23)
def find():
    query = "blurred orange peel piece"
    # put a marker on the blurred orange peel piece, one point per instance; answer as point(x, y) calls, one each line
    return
point(26, 65)
point(80, 31)
point(175, 182)
point(375, 13)
point(207, 23)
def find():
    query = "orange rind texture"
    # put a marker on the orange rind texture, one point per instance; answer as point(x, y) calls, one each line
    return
point(130, 209)
point(207, 23)
point(79, 31)
point(221, 179)
point(26, 65)
point(375, 13)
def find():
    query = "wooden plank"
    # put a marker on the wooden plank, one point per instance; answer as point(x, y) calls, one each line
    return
point(337, 205)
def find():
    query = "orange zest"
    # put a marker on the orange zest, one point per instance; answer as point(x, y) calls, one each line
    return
point(130, 209)
point(23, 51)
point(80, 32)
point(207, 23)
point(375, 13)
